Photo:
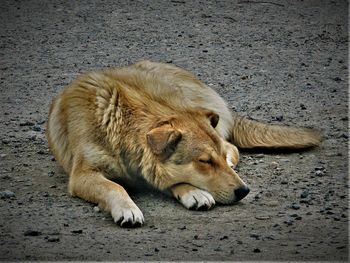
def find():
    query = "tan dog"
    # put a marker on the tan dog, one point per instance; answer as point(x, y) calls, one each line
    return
point(159, 122)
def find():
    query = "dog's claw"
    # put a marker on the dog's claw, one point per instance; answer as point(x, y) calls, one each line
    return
point(203, 208)
point(200, 207)
point(130, 224)
point(131, 217)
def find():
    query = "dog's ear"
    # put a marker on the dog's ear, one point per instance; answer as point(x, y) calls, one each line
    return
point(214, 119)
point(212, 116)
point(163, 140)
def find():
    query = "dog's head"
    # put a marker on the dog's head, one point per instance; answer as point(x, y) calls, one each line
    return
point(190, 151)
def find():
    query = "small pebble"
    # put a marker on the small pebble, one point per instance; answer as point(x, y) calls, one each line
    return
point(41, 122)
point(96, 209)
point(6, 194)
point(256, 250)
point(289, 222)
point(5, 141)
point(274, 164)
point(53, 239)
point(319, 173)
point(304, 194)
point(279, 118)
point(256, 236)
point(344, 135)
point(32, 233)
point(320, 168)
point(296, 216)
point(262, 217)
point(295, 206)
point(26, 123)
point(36, 128)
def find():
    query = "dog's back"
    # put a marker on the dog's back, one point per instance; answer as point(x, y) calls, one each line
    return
point(180, 88)
point(176, 88)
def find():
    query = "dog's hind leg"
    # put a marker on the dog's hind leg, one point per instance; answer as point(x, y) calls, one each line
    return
point(232, 154)
point(192, 197)
point(91, 185)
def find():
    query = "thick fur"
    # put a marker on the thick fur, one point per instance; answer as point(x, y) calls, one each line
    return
point(158, 122)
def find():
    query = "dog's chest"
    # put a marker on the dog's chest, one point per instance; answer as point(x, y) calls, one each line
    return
point(121, 165)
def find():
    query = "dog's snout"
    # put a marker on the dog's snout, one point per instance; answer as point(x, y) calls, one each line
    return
point(241, 192)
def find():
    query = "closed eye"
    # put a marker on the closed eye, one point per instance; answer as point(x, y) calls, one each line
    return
point(206, 161)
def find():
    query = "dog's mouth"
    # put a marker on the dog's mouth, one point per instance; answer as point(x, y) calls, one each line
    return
point(230, 198)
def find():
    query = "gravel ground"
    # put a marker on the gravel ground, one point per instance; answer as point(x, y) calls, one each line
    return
point(277, 61)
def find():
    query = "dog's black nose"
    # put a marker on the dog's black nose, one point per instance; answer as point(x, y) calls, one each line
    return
point(241, 192)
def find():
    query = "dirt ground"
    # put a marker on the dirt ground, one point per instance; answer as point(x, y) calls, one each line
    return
point(281, 62)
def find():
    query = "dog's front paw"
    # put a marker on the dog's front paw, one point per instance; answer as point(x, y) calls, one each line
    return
point(127, 216)
point(197, 199)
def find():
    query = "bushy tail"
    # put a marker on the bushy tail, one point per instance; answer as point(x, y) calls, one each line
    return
point(253, 134)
